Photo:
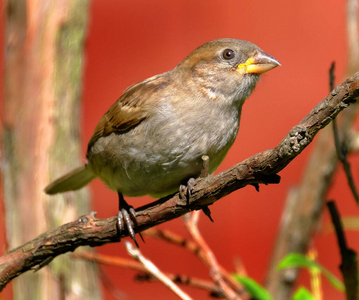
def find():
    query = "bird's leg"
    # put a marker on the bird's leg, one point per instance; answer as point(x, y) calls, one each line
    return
point(186, 191)
point(125, 214)
point(205, 173)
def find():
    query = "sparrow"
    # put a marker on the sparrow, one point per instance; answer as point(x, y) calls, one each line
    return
point(151, 140)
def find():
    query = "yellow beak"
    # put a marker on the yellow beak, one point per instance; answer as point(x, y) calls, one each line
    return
point(259, 63)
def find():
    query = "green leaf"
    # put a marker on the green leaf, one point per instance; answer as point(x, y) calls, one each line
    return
point(254, 289)
point(303, 294)
point(301, 261)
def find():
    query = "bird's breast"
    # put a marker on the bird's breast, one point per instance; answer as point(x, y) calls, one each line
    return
point(165, 150)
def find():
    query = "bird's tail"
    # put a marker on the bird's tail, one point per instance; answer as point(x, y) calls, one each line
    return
point(71, 181)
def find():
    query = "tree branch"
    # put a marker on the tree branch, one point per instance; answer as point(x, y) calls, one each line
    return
point(260, 168)
point(349, 265)
point(341, 147)
point(144, 275)
point(154, 271)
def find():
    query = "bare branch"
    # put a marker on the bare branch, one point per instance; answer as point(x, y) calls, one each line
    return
point(341, 147)
point(194, 248)
point(153, 270)
point(144, 275)
point(191, 221)
point(349, 265)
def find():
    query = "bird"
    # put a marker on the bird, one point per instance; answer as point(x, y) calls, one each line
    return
point(151, 140)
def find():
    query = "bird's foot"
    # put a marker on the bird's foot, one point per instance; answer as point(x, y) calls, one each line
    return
point(185, 191)
point(125, 215)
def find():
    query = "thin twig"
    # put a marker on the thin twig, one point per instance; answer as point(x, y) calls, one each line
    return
point(205, 166)
point(349, 265)
point(191, 221)
point(239, 267)
point(194, 248)
point(341, 147)
point(145, 275)
point(151, 268)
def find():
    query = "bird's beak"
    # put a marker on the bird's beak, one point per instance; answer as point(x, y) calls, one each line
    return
point(259, 63)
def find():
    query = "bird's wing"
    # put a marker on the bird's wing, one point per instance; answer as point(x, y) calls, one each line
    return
point(131, 108)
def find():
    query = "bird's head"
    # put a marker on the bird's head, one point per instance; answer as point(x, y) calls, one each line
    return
point(227, 67)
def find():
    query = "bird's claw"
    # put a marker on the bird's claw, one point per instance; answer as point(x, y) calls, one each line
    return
point(185, 191)
point(125, 215)
point(124, 221)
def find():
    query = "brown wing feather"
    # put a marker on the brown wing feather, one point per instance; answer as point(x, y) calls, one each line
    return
point(130, 109)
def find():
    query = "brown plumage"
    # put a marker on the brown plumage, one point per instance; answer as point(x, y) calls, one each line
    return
point(152, 138)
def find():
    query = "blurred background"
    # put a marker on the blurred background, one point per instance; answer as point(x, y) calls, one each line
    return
point(128, 41)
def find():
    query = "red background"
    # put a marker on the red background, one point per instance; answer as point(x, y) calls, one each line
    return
point(129, 41)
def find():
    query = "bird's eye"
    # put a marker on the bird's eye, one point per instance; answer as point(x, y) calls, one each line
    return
point(228, 54)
